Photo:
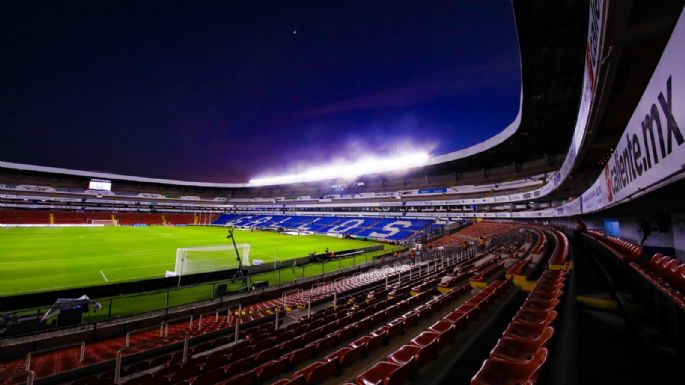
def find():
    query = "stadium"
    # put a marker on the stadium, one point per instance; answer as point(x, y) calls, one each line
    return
point(548, 251)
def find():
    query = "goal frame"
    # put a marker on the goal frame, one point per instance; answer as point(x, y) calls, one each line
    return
point(104, 222)
point(181, 265)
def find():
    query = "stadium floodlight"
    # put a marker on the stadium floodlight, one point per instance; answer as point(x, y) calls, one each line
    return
point(371, 165)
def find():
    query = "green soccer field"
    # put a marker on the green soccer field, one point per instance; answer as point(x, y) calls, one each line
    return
point(37, 259)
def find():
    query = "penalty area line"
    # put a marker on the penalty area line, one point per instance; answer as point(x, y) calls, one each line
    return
point(104, 276)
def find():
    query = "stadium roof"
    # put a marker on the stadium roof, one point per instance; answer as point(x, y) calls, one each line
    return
point(637, 33)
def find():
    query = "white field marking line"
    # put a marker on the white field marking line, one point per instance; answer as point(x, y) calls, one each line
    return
point(42, 289)
point(104, 276)
point(139, 267)
point(144, 252)
point(82, 284)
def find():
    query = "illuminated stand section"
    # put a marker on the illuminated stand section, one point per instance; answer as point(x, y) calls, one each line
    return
point(393, 229)
point(193, 260)
point(370, 165)
point(100, 184)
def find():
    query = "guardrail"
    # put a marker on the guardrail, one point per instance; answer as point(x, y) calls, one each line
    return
point(30, 355)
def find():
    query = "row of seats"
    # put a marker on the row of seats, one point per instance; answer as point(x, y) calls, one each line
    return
point(361, 347)
point(518, 267)
point(409, 358)
point(265, 353)
point(487, 270)
point(541, 242)
point(666, 274)
point(253, 343)
point(24, 217)
point(628, 251)
point(53, 362)
point(77, 217)
point(521, 352)
point(561, 249)
point(326, 290)
point(468, 234)
point(179, 219)
point(536, 247)
point(42, 217)
point(370, 227)
point(657, 288)
point(139, 219)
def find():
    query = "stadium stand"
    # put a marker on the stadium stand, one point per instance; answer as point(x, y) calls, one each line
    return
point(391, 229)
point(624, 249)
point(24, 217)
point(522, 351)
point(470, 234)
point(179, 219)
point(360, 312)
point(69, 217)
point(139, 219)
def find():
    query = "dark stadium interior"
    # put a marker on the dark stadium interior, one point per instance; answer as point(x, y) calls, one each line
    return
point(552, 253)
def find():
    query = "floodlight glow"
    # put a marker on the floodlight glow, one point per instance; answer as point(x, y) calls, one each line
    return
point(352, 170)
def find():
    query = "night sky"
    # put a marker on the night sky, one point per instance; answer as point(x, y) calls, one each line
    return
point(228, 90)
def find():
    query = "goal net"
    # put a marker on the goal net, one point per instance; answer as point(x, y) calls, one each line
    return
point(191, 260)
point(104, 222)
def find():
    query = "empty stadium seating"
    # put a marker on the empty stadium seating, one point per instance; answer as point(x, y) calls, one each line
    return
point(470, 233)
point(626, 250)
point(76, 217)
point(666, 274)
point(179, 219)
point(24, 217)
point(132, 218)
point(521, 352)
point(315, 349)
point(393, 229)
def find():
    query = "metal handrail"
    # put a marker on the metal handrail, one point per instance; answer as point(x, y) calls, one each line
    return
point(29, 355)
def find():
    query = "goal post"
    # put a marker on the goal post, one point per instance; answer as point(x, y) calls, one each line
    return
point(104, 222)
point(203, 259)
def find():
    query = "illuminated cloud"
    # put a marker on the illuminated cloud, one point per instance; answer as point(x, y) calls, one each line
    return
point(368, 165)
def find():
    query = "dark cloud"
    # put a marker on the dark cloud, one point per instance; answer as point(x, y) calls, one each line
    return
point(225, 92)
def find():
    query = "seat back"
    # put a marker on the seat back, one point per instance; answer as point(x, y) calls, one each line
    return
point(321, 372)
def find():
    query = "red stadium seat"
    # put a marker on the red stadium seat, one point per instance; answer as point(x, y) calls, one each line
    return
point(411, 355)
point(369, 343)
point(536, 317)
point(270, 369)
point(211, 377)
point(536, 304)
point(249, 378)
point(320, 372)
point(445, 330)
point(409, 319)
point(502, 372)
point(240, 365)
point(300, 355)
point(533, 335)
point(267, 354)
point(513, 349)
point(325, 343)
point(385, 373)
point(457, 318)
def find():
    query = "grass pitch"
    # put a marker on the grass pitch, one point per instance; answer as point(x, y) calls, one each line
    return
point(38, 259)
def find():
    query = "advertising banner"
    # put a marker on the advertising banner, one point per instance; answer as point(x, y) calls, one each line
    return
point(652, 147)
